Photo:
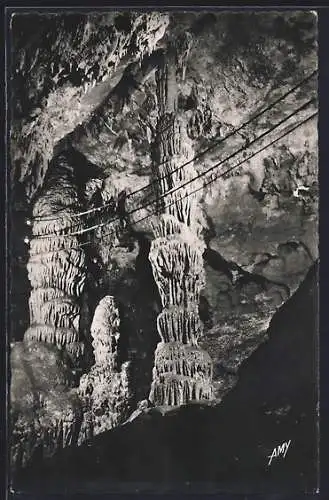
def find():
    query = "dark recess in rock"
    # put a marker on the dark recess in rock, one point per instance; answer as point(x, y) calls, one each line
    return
point(123, 22)
point(205, 312)
point(216, 261)
point(203, 23)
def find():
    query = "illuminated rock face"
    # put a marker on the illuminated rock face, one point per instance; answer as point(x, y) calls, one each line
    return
point(56, 267)
point(182, 371)
point(63, 70)
point(257, 250)
point(104, 390)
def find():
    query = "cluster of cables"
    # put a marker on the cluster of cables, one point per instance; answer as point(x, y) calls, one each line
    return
point(205, 174)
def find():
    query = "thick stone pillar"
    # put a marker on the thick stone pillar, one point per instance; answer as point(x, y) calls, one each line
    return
point(182, 370)
point(56, 267)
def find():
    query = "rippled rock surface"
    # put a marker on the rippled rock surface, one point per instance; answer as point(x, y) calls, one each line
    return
point(162, 242)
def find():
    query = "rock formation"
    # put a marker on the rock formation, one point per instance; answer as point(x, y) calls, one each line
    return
point(182, 371)
point(56, 72)
point(104, 390)
point(198, 267)
point(45, 410)
point(49, 415)
point(57, 264)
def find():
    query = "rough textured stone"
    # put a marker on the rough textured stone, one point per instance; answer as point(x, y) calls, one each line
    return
point(45, 411)
point(56, 267)
point(105, 390)
point(58, 67)
point(182, 371)
point(97, 84)
point(226, 445)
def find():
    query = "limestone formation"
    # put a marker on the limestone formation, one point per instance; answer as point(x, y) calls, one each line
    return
point(56, 267)
point(145, 102)
point(69, 55)
point(45, 411)
point(105, 388)
point(182, 371)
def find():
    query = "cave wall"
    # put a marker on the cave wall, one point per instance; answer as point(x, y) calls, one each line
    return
point(89, 84)
point(57, 60)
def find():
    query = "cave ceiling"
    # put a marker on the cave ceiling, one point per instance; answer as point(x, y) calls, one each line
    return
point(88, 83)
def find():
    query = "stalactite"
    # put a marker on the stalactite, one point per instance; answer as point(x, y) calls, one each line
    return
point(168, 226)
point(183, 46)
point(182, 373)
point(182, 370)
point(105, 389)
point(56, 264)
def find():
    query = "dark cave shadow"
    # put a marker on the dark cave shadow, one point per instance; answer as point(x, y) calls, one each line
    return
point(149, 299)
point(82, 169)
point(139, 304)
point(144, 268)
point(18, 255)
point(218, 263)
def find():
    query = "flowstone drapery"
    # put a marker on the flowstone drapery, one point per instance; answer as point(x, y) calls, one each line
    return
point(182, 371)
point(56, 267)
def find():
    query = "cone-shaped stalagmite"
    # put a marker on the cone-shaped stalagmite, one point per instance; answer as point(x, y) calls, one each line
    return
point(105, 389)
point(182, 371)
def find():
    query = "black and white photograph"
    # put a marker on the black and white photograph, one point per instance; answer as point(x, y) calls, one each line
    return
point(163, 251)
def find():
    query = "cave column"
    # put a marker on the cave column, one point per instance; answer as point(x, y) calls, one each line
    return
point(182, 370)
point(56, 265)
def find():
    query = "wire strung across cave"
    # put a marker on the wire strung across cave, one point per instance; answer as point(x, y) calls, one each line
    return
point(213, 179)
point(202, 174)
point(222, 174)
point(216, 143)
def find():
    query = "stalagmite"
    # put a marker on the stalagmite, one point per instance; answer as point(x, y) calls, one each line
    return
point(182, 370)
point(105, 389)
point(56, 264)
